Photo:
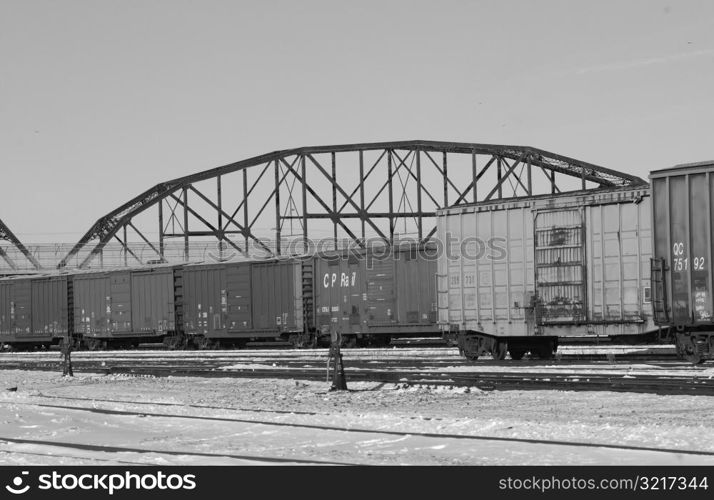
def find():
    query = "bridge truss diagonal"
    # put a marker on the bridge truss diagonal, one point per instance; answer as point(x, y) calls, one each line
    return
point(15, 249)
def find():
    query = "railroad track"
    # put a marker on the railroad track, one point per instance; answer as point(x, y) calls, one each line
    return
point(505, 380)
point(294, 361)
point(597, 377)
point(580, 353)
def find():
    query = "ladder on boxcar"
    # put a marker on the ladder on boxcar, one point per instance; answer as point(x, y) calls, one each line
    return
point(659, 293)
point(74, 337)
point(442, 303)
point(178, 301)
point(308, 299)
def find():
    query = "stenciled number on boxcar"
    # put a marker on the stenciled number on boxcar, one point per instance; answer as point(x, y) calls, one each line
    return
point(681, 263)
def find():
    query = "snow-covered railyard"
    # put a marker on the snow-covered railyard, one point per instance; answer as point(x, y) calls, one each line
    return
point(116, 419)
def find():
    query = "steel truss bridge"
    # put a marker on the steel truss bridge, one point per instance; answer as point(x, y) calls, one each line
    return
point(278, 203)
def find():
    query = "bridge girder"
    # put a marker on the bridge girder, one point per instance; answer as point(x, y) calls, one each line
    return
point(9, 236)
point(411, 179)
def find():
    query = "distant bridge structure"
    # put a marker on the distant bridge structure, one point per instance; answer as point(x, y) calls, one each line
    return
point(281, 202)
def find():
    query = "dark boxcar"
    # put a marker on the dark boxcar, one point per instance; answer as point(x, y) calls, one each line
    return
point(235, 301)
point(15, 309)
point(206, 299)
point(154, 300)
point(277, 295)
point(682, 201)
point(416, 289)
point(33, 310)
point(101, 306)
point(376, 295)
point(216, 297)
point(50, 312)
point(125, 307)
point(340, 294)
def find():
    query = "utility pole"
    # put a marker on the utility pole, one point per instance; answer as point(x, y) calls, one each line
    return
point(339, 382)
point(66, 349)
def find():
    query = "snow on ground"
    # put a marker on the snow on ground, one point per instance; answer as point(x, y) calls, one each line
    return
point(95, 419)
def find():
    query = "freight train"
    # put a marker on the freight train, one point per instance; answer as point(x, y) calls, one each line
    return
point(505, 277)
point(368, 296)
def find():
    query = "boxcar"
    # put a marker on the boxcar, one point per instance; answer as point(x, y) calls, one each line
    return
point(516, 275)
point(367, 297)
point(374, 296)
point(33, 310)
point(681, 266)
point(128, 306)
point(233, 302)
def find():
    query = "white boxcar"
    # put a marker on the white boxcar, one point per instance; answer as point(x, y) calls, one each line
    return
point(515, 275)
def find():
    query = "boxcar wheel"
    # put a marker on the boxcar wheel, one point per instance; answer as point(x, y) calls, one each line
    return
point(694, 358)
point(206, 344)
point(687, 349)
point(94, 344)
point(299, 340)
point(499, 350)
point(172, 342)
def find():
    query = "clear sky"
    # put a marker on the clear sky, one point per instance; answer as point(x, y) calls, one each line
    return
point(100, 100)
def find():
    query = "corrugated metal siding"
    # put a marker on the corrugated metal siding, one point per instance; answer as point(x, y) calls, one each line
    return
point(49, 306)
point(679, 235)
point(204, 289)
point(297, 298)
point(591, 275)
point(277, 296)
point(92, 304)
point(152, 299)
point(243, 297)
point(6, 311)
point(381, 292)
point(682, 206)
point(15, 308)
point(487, 269)
point(120, 292)
point(360, 293)
point(341, 293)
point(239, 303)
point(619, 249)
point(416, 288)
point(701, 247)
point(22, 302)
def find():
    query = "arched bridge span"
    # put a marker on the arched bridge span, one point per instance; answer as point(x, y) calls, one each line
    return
point(274, 203)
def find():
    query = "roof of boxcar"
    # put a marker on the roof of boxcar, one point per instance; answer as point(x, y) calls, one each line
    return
point(682, 168)
point(84, 272)
point(556, 196)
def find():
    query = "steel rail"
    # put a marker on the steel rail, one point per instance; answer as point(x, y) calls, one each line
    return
point(501, 380)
